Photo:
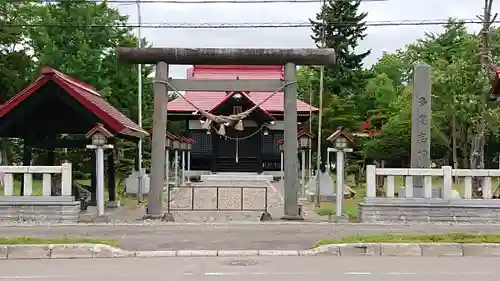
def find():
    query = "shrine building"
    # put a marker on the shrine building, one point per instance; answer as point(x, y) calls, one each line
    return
point(253, 149)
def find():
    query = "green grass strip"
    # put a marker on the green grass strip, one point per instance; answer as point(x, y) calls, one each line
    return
point(464, 238)
point(58, 240)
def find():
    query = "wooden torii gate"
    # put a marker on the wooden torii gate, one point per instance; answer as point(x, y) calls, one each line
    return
point(162, 57)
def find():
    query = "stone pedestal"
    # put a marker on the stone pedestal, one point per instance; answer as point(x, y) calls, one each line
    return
point(326, 189)
point(132, 182)
point(113, 204)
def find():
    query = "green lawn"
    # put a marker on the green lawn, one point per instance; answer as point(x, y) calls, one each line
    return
point(350, 209)
point(38, 186)
point(436, 182)
point(59, 240)
point(414, 238)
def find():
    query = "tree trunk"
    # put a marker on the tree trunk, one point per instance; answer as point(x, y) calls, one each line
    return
point(454, 143)
point(477, 156)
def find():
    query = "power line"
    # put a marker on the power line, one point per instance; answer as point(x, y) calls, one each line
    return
point(196, 1)
point(249, 25)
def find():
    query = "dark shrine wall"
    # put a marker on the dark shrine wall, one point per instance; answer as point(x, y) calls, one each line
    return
point(202, 149)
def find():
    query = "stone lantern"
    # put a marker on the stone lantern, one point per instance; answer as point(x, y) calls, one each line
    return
point(342, 143)
point(99, 136)
point(304, 142)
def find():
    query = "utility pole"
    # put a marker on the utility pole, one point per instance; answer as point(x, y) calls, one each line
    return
point(318, 153)
point(320, 118)
point(139, 106)
point(477, 153)
point(309, 156)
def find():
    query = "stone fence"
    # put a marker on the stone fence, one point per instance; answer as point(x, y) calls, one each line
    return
point(61, 207)
point(47, 171)
point(427, 203)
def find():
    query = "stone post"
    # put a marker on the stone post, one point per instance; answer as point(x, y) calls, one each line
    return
point(282, 165)
point(183, 167)
point(167, 167)
point(176, 168)
point(100, 180)
point(303, 171)
point(339, 193)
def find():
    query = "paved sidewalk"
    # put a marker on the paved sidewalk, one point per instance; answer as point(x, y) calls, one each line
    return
point(231, 236)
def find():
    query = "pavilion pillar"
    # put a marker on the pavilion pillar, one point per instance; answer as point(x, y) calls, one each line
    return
point(167, 168)
point(290, 145)
point(27, 152)
point(111, 178)
point(282, 165)
point(261, 154)
point(136, 158)
point(176, 167)
point(213, 156)
point(155, 197)
point(183, 167)
point(51, 155)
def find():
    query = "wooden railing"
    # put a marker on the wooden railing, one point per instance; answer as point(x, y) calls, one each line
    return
point(47, 171)
point(446, 172)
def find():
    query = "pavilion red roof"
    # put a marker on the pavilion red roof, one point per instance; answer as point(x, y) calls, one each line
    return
point(99, 128)
point(210, 100)
point(301, 133)
point(86, 95)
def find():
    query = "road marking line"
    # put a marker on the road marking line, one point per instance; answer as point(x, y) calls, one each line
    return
point(467, 273)
point(36, 277)
point(357, 273)
point(253, 273)
point(49, 277)
point(220, 273)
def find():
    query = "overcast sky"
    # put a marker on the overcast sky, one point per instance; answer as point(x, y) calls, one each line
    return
point(379, 39)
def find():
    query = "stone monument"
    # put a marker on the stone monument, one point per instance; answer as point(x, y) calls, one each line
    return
point(421, 124)
point(326, 190)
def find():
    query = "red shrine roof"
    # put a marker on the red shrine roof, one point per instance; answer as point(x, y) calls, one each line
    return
point(210, 100)
point(495, 87)
point(244, 95)
point(86, 95)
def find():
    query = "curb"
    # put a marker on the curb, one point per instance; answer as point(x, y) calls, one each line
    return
point(86, 251)
point(145, 223)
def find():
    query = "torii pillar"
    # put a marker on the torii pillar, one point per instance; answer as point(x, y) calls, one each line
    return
point(162, 57)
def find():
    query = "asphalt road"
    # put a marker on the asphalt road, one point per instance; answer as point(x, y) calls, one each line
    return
point(253, 269)
point(230, 236)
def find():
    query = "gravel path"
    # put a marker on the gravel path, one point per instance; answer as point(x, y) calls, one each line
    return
point(231, 201)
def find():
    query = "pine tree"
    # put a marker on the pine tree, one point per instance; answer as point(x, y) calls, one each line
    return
point(339, 26)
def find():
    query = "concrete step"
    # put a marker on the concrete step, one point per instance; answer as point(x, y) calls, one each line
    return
point(236, 177)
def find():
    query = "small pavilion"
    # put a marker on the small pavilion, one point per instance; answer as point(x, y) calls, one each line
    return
point(57, 111)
